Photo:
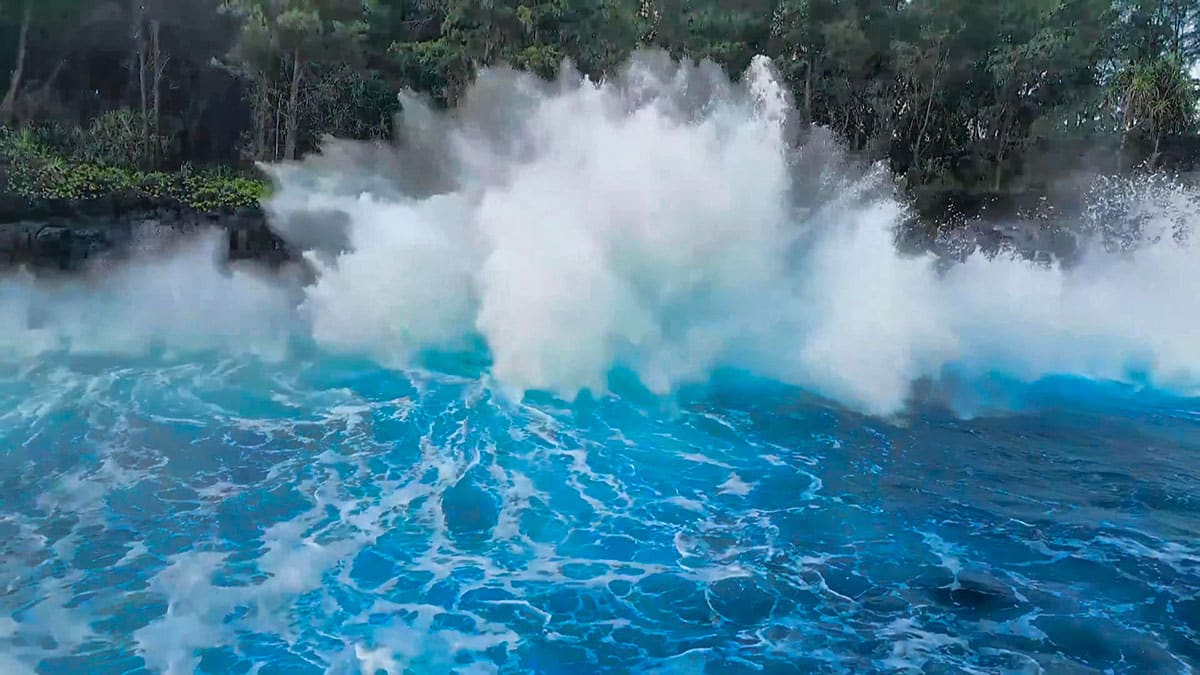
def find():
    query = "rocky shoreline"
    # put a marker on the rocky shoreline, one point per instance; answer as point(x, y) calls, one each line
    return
point(48, 236)
point(61, 235)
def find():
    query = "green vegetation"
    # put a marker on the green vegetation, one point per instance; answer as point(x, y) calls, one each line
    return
point(38, 171)
point(970, 95)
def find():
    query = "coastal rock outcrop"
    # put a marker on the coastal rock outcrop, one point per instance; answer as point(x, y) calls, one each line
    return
point(49, 235)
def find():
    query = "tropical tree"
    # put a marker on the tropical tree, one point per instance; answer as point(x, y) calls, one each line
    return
point(40, 24)
point(283, 38)
point(1156, 97)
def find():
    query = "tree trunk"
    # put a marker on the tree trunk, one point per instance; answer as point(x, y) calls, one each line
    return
point(808, 78)
point(159, 64)
point(190, 145)
point(137, 11)
point(921, 133)
point(1125, 129)
point(18, 72)
point(43, 90)
point(293, 116)
point(278, 113)
point(1001, 146)
point(925, 122)
point(997, 179)
point(262, 117)
point(1153, 163)
point(142, 95)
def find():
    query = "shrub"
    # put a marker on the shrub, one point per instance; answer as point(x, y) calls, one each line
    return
point(57, 137)
point(35, 171)
point(115, 138)
point(207, 191)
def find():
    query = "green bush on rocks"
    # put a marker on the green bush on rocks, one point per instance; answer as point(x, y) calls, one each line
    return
point(36, 171)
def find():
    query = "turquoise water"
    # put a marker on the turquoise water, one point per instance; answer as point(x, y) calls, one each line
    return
point(230, 515)
point(776, 444)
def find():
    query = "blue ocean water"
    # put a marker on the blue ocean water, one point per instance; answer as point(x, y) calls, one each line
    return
point(197, 477)
point(324, 515)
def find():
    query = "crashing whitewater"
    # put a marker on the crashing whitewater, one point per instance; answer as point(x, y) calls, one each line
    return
point(667, 223)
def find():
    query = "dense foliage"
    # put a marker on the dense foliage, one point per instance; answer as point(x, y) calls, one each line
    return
point(964, 94)
point(37, 170)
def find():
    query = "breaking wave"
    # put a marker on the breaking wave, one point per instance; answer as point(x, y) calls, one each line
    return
point(669, 223)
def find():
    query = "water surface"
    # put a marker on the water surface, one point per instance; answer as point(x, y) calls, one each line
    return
point(326, 515)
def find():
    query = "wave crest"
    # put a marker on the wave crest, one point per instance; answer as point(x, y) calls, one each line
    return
point(673, 223)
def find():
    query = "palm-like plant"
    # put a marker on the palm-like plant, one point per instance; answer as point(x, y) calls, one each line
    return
point(1156, 97)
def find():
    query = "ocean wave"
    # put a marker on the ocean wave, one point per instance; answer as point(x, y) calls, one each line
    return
point(669, 223)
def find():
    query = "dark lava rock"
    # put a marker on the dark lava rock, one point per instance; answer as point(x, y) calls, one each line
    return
point(13, 208)
point(1105, 644)
point(67, 235)
point(669, 597)
point(977, 591)
point(741, 600)
point(470, 512)
point(846, 583)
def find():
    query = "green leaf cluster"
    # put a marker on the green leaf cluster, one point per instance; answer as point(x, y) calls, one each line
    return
point(36, 171)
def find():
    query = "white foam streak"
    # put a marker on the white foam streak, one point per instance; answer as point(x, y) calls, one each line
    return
point(179, 301)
